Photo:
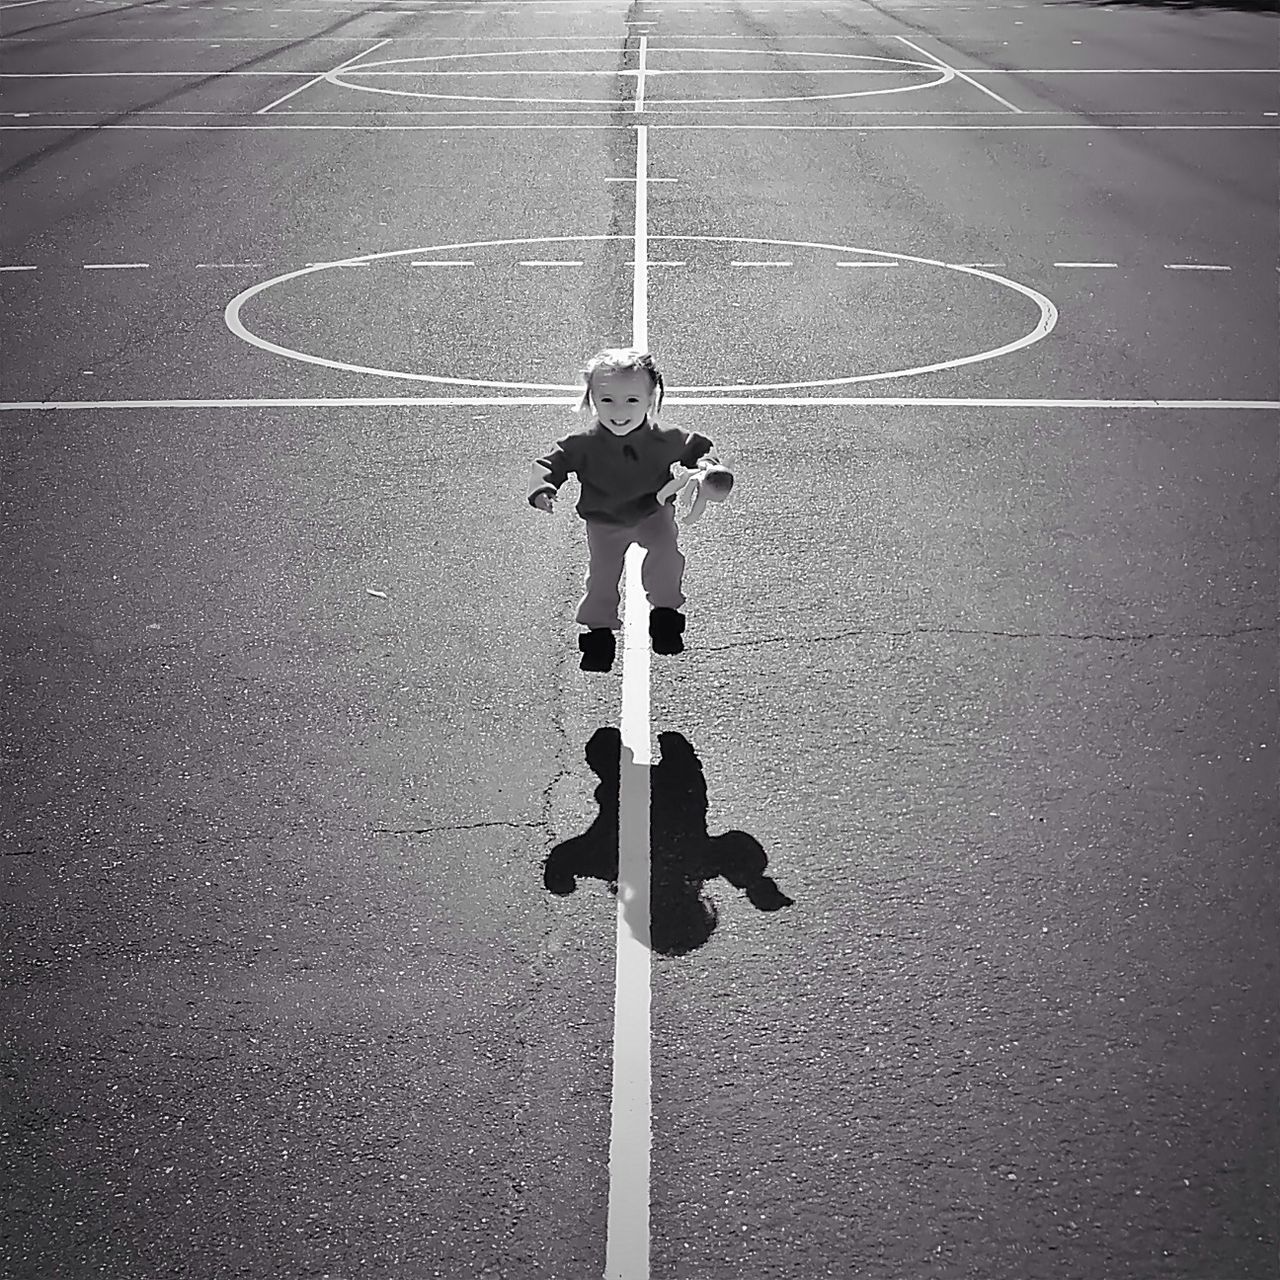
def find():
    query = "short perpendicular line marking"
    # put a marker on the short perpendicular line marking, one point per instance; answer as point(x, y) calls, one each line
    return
point(630, 1138)
point(991, 93)
point(342, 66)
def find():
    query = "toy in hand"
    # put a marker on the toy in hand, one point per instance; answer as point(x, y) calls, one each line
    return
point(710, 484)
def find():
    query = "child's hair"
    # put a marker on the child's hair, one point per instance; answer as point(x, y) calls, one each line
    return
point(621, 360)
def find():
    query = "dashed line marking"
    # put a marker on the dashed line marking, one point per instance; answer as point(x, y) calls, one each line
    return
point(1194, 266)
point(117, 266)
point(228, 265)
point(550, 262)
point(737, 263)
point(17, 268)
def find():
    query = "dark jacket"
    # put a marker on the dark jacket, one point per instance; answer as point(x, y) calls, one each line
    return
point(619, 475)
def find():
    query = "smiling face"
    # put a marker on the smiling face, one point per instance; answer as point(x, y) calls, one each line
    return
point(621, 398)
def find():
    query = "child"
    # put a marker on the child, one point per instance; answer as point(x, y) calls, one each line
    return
point(621, 463)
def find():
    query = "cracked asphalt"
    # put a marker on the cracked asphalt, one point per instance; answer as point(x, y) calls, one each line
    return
point(964, 798)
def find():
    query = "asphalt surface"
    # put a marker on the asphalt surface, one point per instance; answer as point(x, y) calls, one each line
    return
point(992, 686)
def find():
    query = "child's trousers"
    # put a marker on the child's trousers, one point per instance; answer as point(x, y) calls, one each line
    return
point(661, 570)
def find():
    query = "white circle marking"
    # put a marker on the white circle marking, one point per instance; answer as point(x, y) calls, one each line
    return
point(336, 77)
point(1048, 314)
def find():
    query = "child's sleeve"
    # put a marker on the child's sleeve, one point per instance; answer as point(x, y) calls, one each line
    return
point(699, 449)
point(551, 470)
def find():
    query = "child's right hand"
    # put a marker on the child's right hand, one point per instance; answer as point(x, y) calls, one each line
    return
point(543, 502)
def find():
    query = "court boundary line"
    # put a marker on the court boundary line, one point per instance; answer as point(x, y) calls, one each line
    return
point(566, 126)
point(674, 398)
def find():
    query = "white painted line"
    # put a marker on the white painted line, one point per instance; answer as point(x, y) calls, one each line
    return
point(640, 279)
point(837, 402)
point(229, 265)
point(1127, 71)
point(1193, 266)
point(21, 4)
point(316, 79)
point(980, 264)
point(955, 71)
point(639, 104)
point(17, 268)
point(631, 1127)
point(116, 266)
point(768, 263)
point(340, 263)
point(776, 127)
point(445, 262)
point(969, 402)
point(550, 262)
point(136, 75)
point(1086, 264)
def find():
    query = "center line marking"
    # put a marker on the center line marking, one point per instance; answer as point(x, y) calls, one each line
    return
point(644, 48)
point(631, 1128)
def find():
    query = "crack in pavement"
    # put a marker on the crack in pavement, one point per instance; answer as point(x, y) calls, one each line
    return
point(468, 826)
point(1122, 638)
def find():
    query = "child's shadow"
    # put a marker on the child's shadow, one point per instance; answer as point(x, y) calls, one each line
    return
point(683, 856)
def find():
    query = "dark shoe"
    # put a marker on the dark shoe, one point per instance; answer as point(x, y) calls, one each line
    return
point(666, 630)
point(597, 647)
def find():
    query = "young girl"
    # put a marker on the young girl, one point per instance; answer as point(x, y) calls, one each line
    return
point(621, 462)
